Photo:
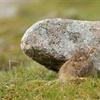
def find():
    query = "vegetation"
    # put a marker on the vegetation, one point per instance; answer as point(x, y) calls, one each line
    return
point(38, 83)
point(12, 29)
point(32, 81)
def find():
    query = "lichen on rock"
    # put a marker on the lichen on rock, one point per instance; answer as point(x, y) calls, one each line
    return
point(51, 42)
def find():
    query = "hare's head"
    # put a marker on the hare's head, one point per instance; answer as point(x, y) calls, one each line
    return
point(81, 57)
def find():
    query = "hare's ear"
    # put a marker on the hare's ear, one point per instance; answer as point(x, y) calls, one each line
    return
point(78, 49)
point(90, 51)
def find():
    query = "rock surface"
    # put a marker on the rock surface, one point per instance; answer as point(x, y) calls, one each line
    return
point(51, 42)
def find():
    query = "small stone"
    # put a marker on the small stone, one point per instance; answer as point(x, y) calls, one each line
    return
point(51, 42)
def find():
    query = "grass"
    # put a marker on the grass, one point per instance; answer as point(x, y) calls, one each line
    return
point(35, 82)
point(12, 29)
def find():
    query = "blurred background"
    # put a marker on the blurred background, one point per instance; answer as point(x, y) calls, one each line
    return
point(16, 16)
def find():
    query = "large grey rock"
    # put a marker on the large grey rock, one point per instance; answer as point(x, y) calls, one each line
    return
point(51, 42)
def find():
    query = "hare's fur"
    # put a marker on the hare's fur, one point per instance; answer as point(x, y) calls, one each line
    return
point(80, 65)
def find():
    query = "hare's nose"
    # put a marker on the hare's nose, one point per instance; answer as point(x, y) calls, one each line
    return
point(74, 63)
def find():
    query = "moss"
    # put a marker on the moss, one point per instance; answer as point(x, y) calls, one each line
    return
point(12, 29)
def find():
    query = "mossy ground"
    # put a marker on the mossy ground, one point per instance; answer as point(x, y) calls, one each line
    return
point(32, 81)
point(12, 29)
point(38, 83)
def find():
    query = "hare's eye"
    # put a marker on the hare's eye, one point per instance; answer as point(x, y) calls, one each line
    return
point(81, 59)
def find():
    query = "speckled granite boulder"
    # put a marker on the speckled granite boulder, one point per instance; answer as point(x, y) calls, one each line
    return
point(51, 42)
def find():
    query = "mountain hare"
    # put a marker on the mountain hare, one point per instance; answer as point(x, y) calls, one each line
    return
point(80, 65)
